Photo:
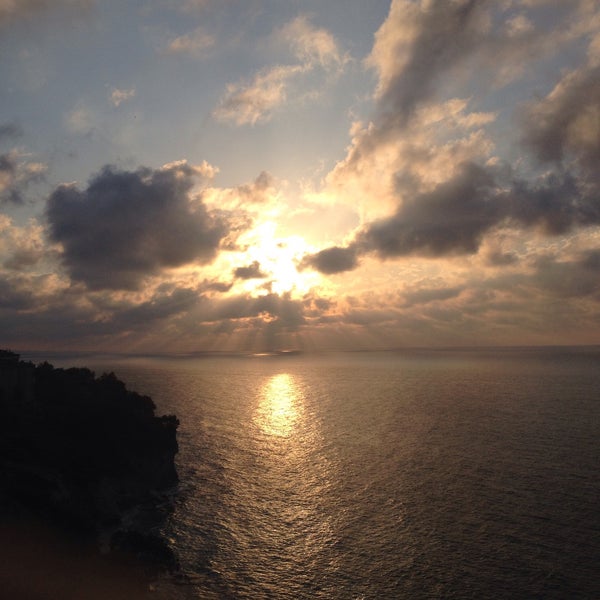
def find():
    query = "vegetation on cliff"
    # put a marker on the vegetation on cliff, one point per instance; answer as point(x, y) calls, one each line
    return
point(81, 451)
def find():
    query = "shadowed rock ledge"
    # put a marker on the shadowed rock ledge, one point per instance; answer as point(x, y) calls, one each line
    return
point(87, 456)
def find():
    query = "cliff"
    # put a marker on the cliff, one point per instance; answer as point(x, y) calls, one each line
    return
point(85, 453)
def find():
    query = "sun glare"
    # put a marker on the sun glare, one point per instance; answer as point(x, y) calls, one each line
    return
point(278, 258)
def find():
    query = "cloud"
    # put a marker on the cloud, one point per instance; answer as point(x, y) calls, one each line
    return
point(423, 171)
point(36, 313)
point(311, 45)
point(255, 101)
point(215, 286)
point(566, 123)
point(118, 96)
point(14, 297)
point(433, 59)
point(18, 9)
point(425, 47)
point(453, 218)
point(285, 311)
point(248, 200)
point(541, 299)
point(161, 306)
point(576, 278)
point(497, 258)
point(518, 25)
point(251, 271)
point(8, 169)
point(81, 119)
point(450, 219)
point(127, 225)
point(554, 204)
point(195, 43)
point(426, 295)
point(10, 131)
point(332, 260)
point(259, 191)
point(16, 174)
point(418, 43)
point(23, 247)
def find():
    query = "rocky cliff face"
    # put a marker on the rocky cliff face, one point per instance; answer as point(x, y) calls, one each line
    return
point(84, 452)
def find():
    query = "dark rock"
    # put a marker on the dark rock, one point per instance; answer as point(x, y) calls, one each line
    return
point(149, 549)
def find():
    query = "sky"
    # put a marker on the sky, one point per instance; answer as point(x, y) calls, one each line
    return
point(253, 175)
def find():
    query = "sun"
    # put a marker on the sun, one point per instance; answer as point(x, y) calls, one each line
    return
point(278, 258)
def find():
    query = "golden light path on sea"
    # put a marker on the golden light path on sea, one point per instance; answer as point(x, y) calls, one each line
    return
point(279, 407)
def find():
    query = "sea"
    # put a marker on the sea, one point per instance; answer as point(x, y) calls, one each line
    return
point(423, 473)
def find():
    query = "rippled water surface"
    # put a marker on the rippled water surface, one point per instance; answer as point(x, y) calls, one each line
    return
point(384, 475)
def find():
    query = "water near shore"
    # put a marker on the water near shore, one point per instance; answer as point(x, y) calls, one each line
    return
point(424, 474)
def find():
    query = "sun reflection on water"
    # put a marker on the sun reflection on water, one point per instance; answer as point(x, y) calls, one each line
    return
point(280, 401)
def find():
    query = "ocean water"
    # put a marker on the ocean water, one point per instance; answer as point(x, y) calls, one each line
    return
point(421, 474)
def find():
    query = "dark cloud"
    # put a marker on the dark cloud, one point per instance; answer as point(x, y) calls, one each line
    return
point(590, 260)
point(554, 204)
point(215, 286)
point(251, 271)
point(566, 124)
point(39, 317)
point(427, 295)
point(10, 193)
point(497, 258)
point(424, 46)
point(454, 217)
point(8, 164)
point(332, 260)
point(447, 33)
point(10, 131)
point(15, 176)
point(15, 297)
point(575, 278)
point(129, 224)
point(161, 306)
point(451, 219)
point(318, 305)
